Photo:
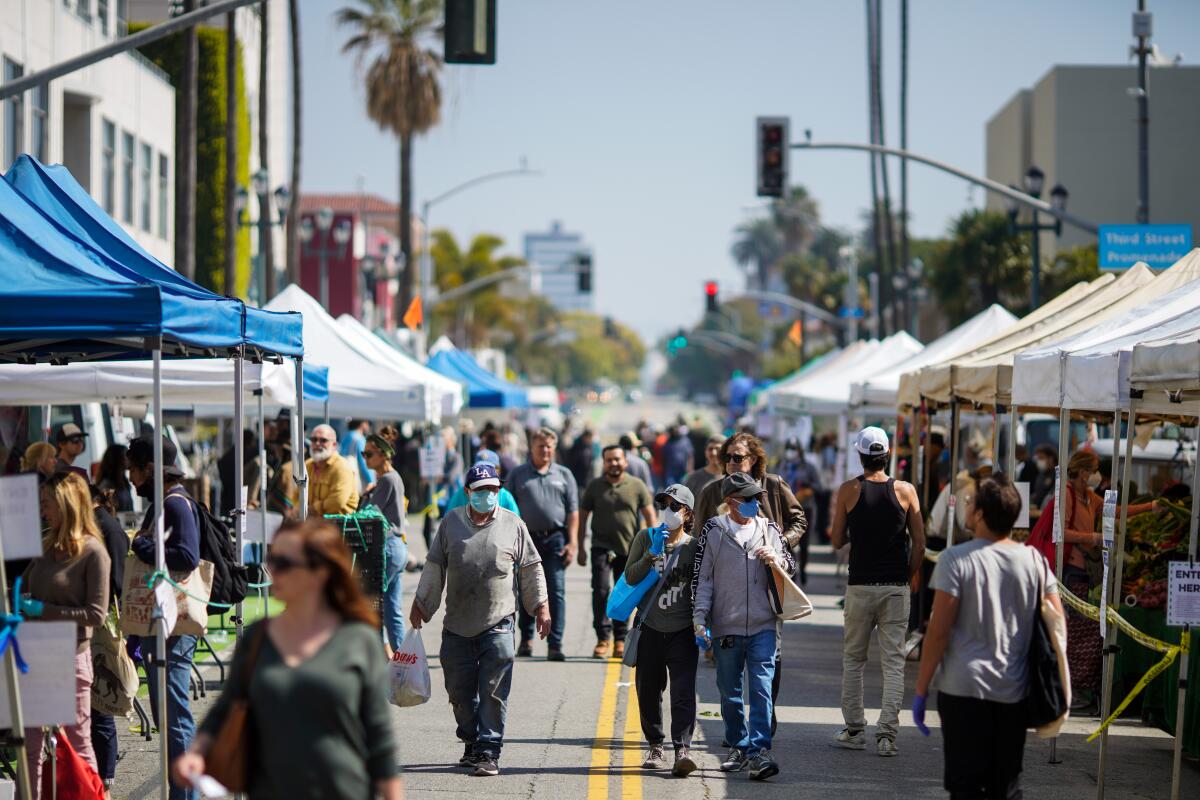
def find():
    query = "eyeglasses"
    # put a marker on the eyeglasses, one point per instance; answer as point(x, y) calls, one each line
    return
point(281, 564)
point(730, 458)
point(674, 505)
point(321, 440)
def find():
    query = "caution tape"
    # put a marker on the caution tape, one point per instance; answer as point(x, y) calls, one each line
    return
point(431, 510)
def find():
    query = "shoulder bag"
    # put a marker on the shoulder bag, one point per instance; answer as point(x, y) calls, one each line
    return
point(1048, 702)
point(632, 637)
point(227, 758)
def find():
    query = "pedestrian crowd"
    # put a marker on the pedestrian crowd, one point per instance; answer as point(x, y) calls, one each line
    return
point(695, 521)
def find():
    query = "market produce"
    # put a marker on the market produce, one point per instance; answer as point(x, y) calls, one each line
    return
point(1154, 539)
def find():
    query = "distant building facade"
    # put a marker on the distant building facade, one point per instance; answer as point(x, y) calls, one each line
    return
point(552, 257)
point(1079, 125)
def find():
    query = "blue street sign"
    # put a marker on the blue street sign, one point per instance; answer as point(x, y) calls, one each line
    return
point(1160, 246)
point(847, 313)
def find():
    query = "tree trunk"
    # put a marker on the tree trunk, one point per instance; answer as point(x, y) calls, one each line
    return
point(231, 111)
point(185, 155)
point(266, 217)
point(293, 216)
point(408, 277)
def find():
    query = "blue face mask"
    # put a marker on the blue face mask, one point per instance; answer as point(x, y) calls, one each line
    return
point(484, 502)
point(748, 509)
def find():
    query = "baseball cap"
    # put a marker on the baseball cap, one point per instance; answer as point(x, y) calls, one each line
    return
point(679, 493)
point(740, 484)
point(871, 441)
point(141, 453)
point(69, 430)
point(481, 476)
point(487, 457)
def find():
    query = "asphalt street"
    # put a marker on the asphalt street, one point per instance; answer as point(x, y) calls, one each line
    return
point(573, 731)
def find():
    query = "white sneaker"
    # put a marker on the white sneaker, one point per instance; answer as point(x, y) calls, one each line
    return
point(851, 740)
point(886, 747)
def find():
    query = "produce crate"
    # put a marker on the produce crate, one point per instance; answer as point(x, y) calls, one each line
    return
point(366, 537)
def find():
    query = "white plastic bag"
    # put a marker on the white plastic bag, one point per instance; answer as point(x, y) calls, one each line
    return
point(410, 672)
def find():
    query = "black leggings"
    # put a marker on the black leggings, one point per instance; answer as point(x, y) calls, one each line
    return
point(659, 656)
point(984, 744)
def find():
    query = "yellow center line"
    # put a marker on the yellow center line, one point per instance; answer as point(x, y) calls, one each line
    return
point(631, 781)
point(606, 731)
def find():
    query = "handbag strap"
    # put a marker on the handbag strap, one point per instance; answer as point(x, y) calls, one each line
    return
point(252, 658)
point(668, 565)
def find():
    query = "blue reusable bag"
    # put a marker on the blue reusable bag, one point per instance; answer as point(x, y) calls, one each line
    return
point(624, 598)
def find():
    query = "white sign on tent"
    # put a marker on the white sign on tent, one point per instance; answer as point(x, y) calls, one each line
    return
point(20, 520)
point(48, 689)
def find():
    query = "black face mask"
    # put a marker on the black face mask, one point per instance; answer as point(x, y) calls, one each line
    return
point(146, 489)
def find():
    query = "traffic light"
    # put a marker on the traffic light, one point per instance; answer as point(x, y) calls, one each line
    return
point(677, 342)
point(583, 263)
point(772, 156)
point(470, 32)
point(710, 297)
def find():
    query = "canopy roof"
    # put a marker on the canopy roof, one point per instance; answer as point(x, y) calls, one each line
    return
point(445, 395)
point(73, 213)
point(1088, 369)
point(1168, 372)
point(881, 389)
point(484, 390)
point(358, 387)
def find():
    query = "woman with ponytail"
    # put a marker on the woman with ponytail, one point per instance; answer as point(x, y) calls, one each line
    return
point(314, 673)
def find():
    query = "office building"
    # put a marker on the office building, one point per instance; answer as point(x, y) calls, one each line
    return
point(553, 259)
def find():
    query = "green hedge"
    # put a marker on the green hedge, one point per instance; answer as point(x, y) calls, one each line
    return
point(210, 150)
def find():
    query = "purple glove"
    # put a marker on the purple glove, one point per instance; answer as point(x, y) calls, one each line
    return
point(918, 712)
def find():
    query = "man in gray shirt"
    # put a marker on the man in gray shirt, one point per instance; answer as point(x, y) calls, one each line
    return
point(476, 556)
point(549, 502)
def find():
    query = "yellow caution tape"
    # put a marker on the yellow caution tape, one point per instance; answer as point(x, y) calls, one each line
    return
point(431, 509)
point(1093, 612)
point(1171, 654)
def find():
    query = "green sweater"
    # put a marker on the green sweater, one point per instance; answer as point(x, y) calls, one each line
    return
point(319, 730)
point(672, 608)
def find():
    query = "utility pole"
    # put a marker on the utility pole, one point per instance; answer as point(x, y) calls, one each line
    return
point(1142, 29)
point(909, 298)
point(850, 294)
point(230, 289)
point(266, 260)
point(185, 159)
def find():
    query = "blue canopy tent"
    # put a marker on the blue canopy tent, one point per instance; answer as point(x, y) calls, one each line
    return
point(484, 390)
point(316, 383)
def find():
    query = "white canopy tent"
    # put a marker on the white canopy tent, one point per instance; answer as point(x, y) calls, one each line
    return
point(881, 389)
point(826, 391)
point(358, 386)
point(772, 398)
point(445, 394)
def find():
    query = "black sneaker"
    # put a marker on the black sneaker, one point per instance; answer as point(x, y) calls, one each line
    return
point(555, 655)
point(525, 649)
point(734, 762)
point(684, 763)
point(762, 766)
point(468, 757)
point(486, 767)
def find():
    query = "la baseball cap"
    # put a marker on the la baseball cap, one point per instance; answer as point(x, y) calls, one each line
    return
point(871, 441)
point(481, 476)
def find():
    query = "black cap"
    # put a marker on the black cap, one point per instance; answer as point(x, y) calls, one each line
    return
point(740, 484)
point(141, 453)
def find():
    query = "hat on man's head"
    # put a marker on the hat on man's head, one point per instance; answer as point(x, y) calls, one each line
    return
point(141, 453)
point(740, 484)
point(69, 430)
point(486, 456)
point(679, 493)
point(482, 476)
point(871, 441)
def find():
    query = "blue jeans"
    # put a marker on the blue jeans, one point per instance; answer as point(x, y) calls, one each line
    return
point(104, 742)
point(478, 672)
point(395, 554)
point(556, 587)
point(181, 727)
point(753, 656)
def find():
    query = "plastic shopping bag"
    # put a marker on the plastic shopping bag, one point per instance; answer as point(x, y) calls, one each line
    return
point(410, 672)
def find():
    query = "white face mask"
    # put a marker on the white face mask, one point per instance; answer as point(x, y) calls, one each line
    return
point(672, 519)
point(1042, 464)
point(791, 455)
point(1093, 480)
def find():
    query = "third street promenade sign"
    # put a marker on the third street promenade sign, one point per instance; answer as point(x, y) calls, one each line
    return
point(1160, 246)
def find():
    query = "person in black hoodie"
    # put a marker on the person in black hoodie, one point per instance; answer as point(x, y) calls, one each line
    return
point(116, 542)
point(181, 527)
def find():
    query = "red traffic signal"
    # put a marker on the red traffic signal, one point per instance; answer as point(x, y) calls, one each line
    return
point(772, 162)
point(710, 296)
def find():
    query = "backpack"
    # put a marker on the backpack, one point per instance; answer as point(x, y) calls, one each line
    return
point(230, 579)
point(1041, 538)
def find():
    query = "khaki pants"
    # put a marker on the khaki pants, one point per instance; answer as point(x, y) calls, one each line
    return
point(882, 608)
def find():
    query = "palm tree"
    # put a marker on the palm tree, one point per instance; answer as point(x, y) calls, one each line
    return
point(293, 213)
point(403, 93)
point(758, 246)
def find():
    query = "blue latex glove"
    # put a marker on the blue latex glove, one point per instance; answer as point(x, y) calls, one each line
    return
point(658, 540)
point(31, 607)
point(703, 639)
point(918, 712)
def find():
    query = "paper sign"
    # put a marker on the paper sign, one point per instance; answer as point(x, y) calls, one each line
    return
point(254, 525)
point(48, 689)
point(1183, 593)
point(1022, 522)
point(164, 598)
point(20, 517)
point(8, 790)
point(1058, 512)
point(1108, 527)
point(433, 459)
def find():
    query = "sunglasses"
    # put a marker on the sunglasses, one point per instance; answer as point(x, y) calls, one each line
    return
point(730, 458)
point(674, 505)
point(321, 440)
point(281, 564)
point(73, 439)
point(370, 453)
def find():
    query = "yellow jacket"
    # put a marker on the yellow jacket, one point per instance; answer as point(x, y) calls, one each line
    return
point(332, 487)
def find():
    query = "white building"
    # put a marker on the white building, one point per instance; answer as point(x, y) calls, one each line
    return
point(112, 124)
point(553, 258)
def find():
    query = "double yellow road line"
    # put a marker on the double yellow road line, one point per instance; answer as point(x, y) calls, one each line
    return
point(606, 740)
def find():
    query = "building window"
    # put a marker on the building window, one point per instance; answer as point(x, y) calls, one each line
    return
point(14, 116)
point(163, 171)
point(108, 168)
point(84, 9)
point(102, 15)
point(147, 166)
point(41, 122)
point(127, 156)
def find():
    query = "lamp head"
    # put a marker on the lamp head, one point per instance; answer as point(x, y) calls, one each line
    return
point(1013, 206)
point(283, 199)
point(325, 219)
point(306, 230)
point(1058, 197)
point(1035, 180)
point(259, 182)
point(341, 234)
point(239, 201)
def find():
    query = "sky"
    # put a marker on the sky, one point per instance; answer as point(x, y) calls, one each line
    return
point(640, 116)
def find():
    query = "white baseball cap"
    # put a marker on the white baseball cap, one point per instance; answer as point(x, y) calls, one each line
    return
point(872, 441)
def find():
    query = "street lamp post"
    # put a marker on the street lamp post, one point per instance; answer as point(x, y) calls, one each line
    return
point(332, 241)
point(1035, 181)
point(260, 184)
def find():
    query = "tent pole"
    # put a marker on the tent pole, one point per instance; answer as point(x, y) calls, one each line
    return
point(1010, 456)
point(239, 478)
point(1114, 601)
point(160, 565)
point(327, 411)
point(916, 444)
point(997, 417)
point(46, 411)
point(1060, 503)
point(262, 484)
point(954, 437)
point(1180, 707)
point(299, 468)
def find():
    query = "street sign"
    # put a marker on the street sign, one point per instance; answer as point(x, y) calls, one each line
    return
point(1160, 246)
point(851, 313)
point(771, 309)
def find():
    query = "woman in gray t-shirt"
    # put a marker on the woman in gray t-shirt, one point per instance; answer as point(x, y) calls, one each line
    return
point(987, 593)
point(388, 496)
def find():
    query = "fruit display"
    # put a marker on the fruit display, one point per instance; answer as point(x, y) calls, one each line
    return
point(1153, 539)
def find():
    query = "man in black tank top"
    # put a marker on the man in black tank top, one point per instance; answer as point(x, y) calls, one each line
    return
point(880, 518)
